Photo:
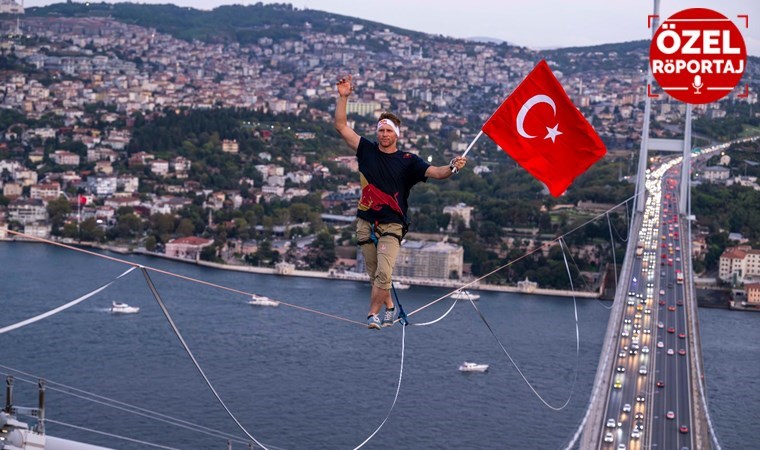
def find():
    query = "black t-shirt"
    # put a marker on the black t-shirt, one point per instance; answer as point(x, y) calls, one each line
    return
point(386, 180)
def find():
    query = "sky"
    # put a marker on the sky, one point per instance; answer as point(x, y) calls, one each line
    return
point(537, 24)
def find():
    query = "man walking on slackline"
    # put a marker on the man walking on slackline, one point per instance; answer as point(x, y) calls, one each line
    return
point(387, 175)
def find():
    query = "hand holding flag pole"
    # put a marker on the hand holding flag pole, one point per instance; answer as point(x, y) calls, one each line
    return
point(567, 149)
point(453, 168)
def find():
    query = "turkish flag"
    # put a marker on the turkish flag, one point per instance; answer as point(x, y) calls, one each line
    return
point(541, 129)
point(82, 200)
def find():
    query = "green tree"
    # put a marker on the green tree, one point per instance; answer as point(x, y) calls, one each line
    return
point(321, 253)
point(58, 211)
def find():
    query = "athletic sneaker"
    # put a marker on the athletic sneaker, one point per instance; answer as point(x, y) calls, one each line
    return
point(388, 318)
point(373, 321)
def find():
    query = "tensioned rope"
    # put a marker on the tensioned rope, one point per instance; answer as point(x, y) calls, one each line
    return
point(628, 226)
point(612, 244)
point(176, 275)
point(132, 409)
point(55, 311)
point(395, 397)
point(577, 345)
point(545, 244)
point(192, 357)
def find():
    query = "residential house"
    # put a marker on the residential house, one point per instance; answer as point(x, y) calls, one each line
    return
point(159, 167)
point(47, 191)
point(102, 186)
point(65, 158)
point(230, 146)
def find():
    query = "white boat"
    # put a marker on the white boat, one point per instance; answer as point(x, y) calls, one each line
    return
point(400, 286)
point(461, 294)
point(260, 300)
point(123, 308)
point(473, 367)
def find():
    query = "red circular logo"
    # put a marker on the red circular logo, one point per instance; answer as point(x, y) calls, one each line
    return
point(697, 55)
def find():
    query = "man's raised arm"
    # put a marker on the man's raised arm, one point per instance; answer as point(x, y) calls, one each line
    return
point(341, 122)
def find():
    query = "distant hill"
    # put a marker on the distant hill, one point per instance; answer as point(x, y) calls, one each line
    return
point(225, 24)
point(247, 24)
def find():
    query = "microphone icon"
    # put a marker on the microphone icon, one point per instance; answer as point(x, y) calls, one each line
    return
point(697, 84)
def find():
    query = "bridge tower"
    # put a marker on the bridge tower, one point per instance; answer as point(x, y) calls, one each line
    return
point(657, 144)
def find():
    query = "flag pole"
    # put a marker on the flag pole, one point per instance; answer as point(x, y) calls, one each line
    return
point(454, 169)
point(472, 143)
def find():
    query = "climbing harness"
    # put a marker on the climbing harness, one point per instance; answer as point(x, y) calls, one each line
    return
point(373, 239)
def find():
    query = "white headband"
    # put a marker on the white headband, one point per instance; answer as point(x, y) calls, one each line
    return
point(390, 123)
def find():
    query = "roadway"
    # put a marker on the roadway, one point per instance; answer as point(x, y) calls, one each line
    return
point(648, 404)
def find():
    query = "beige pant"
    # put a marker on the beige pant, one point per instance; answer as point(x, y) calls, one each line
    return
point(381, 259)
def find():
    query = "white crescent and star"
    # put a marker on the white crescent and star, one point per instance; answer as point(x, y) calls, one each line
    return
point(551, 133)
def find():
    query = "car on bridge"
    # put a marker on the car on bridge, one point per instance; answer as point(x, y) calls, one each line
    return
point(660, 384)
point(684, 429)
point(670, 415)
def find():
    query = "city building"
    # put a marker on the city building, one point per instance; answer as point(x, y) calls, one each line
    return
point(363, 108)
point(716, 174)
point(27, 211)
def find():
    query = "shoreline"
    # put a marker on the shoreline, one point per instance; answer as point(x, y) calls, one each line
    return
point(332, 275)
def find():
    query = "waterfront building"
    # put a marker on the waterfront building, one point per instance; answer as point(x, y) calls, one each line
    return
point(189, 247)
point(738, 263)
point(753, 293)
point(420, 259)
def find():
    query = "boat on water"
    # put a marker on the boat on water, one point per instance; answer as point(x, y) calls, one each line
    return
point(472, 367)
point(462, 294)
point(123, 308)
point(400, 286)
point(260, 300)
